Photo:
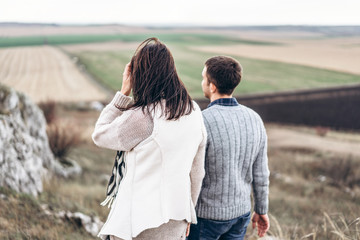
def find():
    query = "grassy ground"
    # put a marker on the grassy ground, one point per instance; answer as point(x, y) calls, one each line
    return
point(23, 218)
point(259, 75)
point(305, 184)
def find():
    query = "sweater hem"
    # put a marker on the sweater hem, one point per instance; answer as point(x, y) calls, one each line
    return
point(221, 214)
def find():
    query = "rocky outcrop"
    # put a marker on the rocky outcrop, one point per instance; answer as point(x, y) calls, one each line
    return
point(91, 224)
point(25, 156)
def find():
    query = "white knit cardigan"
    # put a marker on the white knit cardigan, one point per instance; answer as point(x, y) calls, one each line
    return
point(157, 185)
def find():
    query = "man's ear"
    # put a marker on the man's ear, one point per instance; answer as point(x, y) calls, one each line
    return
point(213, 88)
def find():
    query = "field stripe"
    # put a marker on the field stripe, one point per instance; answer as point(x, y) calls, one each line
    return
point(46, 73)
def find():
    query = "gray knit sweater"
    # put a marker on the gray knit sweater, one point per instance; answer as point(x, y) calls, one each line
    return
point(236, 161)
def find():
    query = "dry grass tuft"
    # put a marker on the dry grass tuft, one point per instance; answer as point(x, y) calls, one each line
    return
point(340, 172)
point(334, 227)
point(49, 109)
point(62, 137)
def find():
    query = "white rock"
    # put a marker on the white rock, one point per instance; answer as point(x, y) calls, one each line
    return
point(91, 224)
point(95, 105)
point(25, 156)
point(69, 171)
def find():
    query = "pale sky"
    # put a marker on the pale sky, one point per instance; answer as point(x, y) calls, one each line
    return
point(185, 12)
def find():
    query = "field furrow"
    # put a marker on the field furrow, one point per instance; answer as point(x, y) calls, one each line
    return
point(3, 58)
point(46, 73)
point(6, 65)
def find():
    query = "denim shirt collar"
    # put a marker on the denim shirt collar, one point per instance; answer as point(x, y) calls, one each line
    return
point(224, 102)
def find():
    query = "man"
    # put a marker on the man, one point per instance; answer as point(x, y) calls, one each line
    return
point(236, 159)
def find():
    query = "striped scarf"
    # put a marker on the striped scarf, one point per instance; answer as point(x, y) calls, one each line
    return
point(118, 172)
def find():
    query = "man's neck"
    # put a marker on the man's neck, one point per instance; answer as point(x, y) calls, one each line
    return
point(218, 96)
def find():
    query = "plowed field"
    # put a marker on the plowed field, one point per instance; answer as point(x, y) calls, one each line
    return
point(339, 54)
point(46, 73)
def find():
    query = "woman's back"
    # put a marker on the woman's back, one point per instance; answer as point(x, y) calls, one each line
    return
point(164, 139)
point(157, 180)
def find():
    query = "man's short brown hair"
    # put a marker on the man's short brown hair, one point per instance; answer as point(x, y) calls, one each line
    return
point(224, 72)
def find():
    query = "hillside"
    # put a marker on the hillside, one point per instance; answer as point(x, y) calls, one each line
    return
point(308, 179)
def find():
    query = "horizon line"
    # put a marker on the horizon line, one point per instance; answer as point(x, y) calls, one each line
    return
point(175, 24)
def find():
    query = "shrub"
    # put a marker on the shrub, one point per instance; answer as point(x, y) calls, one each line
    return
point(49, 109)
point(62, 137)
point(339, 171)
point(322, 131)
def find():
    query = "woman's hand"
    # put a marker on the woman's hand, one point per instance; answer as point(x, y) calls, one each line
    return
point(188, 229)
point(126, 84)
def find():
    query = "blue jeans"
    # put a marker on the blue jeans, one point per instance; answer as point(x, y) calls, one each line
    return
point(207, 229)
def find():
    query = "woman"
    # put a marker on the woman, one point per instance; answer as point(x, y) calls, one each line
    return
point(164, 138)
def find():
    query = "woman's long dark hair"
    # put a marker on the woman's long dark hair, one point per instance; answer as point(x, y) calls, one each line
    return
point(154, 78)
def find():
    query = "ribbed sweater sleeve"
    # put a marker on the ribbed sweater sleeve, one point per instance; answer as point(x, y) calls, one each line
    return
point(261, 177)
point(121, 130)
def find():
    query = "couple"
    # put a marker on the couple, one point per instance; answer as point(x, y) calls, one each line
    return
point(182, 165)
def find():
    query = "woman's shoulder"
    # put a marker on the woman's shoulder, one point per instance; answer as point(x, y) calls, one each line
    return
point(196, 105)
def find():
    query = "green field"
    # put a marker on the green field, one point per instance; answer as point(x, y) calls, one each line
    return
point(179, 38)
point(307, 182)
point(259, 75)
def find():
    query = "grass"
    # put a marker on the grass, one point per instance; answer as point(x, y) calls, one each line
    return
point(305, 184)
point(333, 226)
point(106, 67)
point(300, 203)
point(259, 75)
point(299, 199)
point(179, 38)
point(21, 216)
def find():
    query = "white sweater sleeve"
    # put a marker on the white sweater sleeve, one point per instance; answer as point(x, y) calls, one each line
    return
point(121, 130)
point(197, 172)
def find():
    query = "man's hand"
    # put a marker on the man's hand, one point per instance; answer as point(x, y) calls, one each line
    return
point(262, 222)
point(126, 84)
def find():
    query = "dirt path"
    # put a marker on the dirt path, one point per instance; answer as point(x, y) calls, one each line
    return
point(282, 137)
point(46, 73)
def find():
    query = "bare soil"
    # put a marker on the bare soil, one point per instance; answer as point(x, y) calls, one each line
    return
point(46, 73)
point(306, 138)
point(36, 30)
point(279, 136)
point(341, 54)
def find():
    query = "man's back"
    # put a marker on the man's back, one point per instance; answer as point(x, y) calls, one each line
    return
point(235, 161)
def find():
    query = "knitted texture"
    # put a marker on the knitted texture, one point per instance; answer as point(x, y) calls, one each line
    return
point(236, 161)
point(121, 130)
point(156, 137)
